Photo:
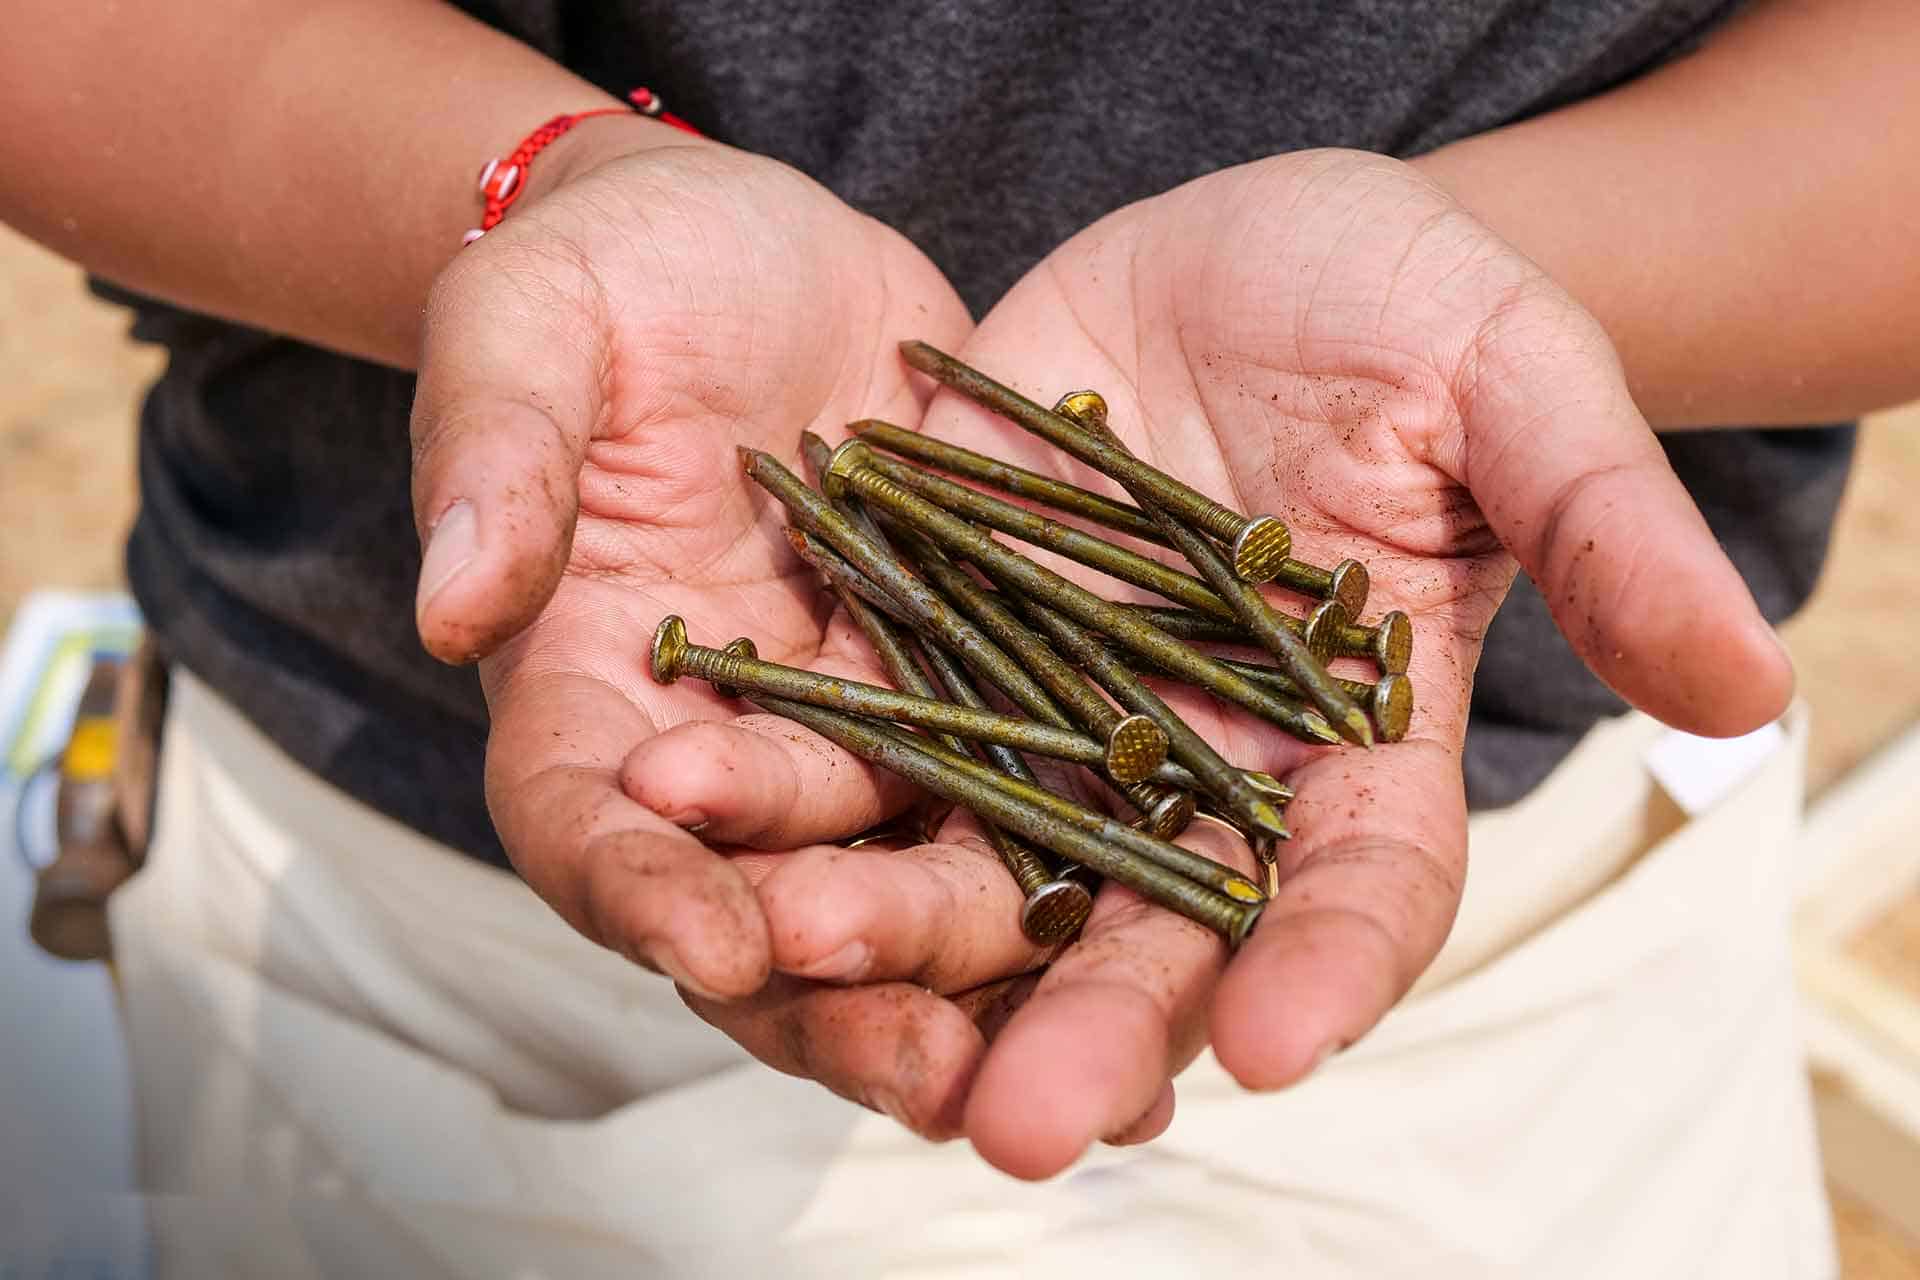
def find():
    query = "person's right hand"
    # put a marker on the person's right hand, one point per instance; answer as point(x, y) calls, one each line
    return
point(588, 370)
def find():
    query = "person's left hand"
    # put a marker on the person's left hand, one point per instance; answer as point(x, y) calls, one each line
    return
point(1328, 338)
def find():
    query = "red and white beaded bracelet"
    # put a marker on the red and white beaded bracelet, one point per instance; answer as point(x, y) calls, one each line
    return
point(503, 178)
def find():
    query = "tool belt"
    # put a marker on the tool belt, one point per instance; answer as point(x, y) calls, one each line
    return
point(104, 810)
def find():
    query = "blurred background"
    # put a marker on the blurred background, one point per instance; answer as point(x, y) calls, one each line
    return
point(70, 383)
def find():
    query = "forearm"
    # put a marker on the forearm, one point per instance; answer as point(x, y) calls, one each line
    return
point(1745, 222)
point(304, 167)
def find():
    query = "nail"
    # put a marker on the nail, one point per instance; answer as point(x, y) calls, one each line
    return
point(1222, 780)
point(1155, 848)
point(1388, 642)
point(1190, 626)
point(1153, 868)
point(1055, 907)
point(813, 512)
point(1388, 700)
point(1320, 1057)
point(1330, 629)
point(1037, 530)
point(1134, 746)
point(451, 547)
point(890, 643)
point(1293, 653)
point(1346, 582)
point(1259, 543)
point(1163, 813)
point(1269, 786)
point(848, 964)
point(673, 656)
point(1015, 573)
point(664, 958)
point(1008, 478)
point(1042, 739)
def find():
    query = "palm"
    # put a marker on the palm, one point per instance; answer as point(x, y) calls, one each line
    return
point(677, 305)
point(772, 322)
point(1328, 339)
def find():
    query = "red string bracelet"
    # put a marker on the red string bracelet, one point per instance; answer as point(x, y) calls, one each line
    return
point(502, 180)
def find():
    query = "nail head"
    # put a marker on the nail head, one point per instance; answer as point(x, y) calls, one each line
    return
point(848, 458)
point(741, 648)
point(669, 647)
point(1056, 911)
point(1350, 585)
point(1392, 706)
point(1135, 749)
point(1324, 625)
point(1087, 408)
point(1260, 548)
point(1393, 643)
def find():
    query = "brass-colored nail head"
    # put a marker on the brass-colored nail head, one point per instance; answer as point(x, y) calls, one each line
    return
point(669, 647)
point(848, 458)
point(1168, 816)
point(1324, 625)
point(1055, 911)
point(1087, 408)
point(1392, 706)
point(741, 648)
point(1261, 548)
point(1351, 583)
point(1135, 748)
point(1393, 643)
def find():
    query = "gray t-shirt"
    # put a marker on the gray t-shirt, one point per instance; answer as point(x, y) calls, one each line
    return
point(275, 552)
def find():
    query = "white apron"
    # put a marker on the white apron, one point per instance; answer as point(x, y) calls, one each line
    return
point(360, 1054)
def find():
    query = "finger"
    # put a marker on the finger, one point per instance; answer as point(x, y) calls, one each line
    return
point(1110, 1023)
point(508, 395)
point(759, 781)
point(945, 916)
point(619, 873)
point(1371, 881)
point(893, 1047)
point(1573, 481)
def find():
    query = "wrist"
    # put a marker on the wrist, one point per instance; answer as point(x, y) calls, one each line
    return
point(600, 140)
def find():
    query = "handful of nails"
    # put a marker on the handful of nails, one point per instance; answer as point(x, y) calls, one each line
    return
point(894, 540)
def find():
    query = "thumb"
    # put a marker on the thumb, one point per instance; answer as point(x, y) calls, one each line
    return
point(1574, 482)
point(508, 393)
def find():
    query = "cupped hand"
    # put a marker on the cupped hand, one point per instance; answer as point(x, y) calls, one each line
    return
point(1328, 338)
point(589, 368)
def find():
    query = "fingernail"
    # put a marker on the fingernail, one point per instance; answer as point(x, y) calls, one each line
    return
point(665, 959)
point(850, 962)
point(1326, 1051)
point(450, 548)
